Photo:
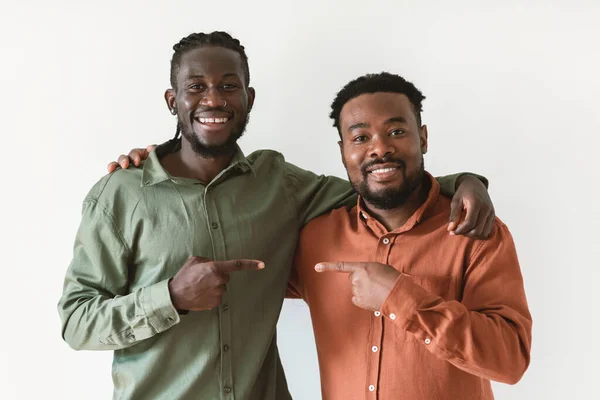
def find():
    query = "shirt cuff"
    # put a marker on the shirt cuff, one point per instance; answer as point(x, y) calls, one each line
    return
point(158, 306)
point(402, 302)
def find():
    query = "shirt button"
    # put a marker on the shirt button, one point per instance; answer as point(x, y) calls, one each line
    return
point(374, 348)
point(225, 348)
point(371, 388)
point(225, 307)
point(392, 316)
point(427, 341)
point(386, 241)
point(215, 225)
point(227, 389)
point(131, 337)
point(377, 313)
point(170, 320)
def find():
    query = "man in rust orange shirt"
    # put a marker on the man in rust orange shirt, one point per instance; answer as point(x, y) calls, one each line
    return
point(401, 308)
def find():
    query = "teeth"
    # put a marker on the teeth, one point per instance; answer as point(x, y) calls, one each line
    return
point(382, 170)
point(213, 120)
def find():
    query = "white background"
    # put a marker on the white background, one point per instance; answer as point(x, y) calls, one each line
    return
point(512, 93)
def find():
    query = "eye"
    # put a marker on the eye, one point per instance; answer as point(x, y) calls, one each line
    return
point(229, 86)
point(397, 132)
point(359, 139)
point(196, 86)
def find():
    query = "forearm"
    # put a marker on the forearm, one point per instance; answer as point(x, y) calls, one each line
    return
point(490, 342)
point(97, 320)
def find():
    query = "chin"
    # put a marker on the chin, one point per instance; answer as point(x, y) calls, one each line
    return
point(210, 140)
point(387, 187)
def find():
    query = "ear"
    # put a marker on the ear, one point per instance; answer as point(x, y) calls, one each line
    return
point(251, 96)
point(423, 136)
point(341, 144)
point(170, 98)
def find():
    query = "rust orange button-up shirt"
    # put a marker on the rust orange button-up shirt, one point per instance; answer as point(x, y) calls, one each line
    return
point(456, 318)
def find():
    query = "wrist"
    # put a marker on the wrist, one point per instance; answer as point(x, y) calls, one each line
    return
point(466, 177)
point(174, 300)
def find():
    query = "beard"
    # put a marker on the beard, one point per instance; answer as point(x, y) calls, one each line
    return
point(388, 199)
point(205, 150)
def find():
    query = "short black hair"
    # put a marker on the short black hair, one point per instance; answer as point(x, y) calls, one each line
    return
point(376, 83)
point(197, 40)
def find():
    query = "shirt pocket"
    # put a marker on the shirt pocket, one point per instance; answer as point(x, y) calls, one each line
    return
point(444, 286)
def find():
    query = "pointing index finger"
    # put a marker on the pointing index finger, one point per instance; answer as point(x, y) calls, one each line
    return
point(239, 265)
point(339, 266)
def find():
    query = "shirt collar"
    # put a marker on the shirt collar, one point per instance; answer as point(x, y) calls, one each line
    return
point(421, 213)
point(153, 172)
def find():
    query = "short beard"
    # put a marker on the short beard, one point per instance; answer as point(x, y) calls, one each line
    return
point(225, 149)
point(390, 198)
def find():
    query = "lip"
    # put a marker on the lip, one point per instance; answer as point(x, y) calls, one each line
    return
point(212, 114)
point(211, 127)
point(206, 120)
point(390, 171)
point(383, 166)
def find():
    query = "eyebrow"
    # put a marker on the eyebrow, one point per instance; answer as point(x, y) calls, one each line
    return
point(227, 75)
point(365, 125)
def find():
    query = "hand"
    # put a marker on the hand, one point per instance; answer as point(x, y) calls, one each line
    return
point(135, 155)
point(472, 200)
point(371, 282)
point(200, 283)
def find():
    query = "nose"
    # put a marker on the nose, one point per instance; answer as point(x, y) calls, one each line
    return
point(381, 146)
point(213, 98)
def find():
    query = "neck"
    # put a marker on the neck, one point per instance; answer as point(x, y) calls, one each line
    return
point(186, 163)
point(396, 217)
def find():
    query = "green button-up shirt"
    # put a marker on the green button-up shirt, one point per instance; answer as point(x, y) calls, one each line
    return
point(139, 226)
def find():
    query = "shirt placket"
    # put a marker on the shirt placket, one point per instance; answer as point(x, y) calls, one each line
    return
point(219, 251)
point(384, 246)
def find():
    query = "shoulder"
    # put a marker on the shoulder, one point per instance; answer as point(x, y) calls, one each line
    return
point(437, 221)
point(329, 227)
point(265, 157)
point(113, 190)
point(324, 237)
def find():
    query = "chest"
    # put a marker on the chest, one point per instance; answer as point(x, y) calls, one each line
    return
point(240, 218)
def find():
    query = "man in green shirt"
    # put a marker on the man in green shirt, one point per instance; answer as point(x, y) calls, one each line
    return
point(181, 266)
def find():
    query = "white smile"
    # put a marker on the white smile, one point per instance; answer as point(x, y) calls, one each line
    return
point(213, 120)
point(382, 170)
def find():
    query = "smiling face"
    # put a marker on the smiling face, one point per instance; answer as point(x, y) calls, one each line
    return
point(382, 148)
point(212, 99)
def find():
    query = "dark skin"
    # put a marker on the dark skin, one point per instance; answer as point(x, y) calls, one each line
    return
point(199, 285)
point(381, 125)
point(211, 86)
point(375, 126)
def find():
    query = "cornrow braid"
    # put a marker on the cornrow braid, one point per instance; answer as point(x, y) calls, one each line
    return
point(197, 40)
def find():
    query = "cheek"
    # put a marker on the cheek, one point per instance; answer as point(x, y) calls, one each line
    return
point(238, 102)
point(188, 102)
point(354, 160)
